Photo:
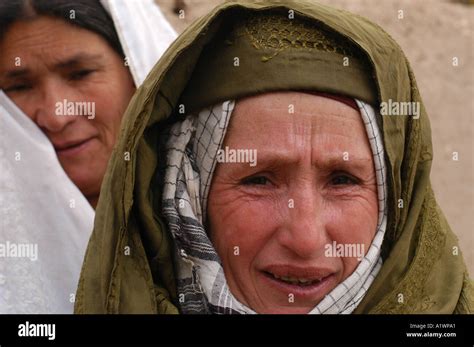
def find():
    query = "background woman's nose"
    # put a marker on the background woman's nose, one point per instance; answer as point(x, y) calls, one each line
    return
point(49, 114)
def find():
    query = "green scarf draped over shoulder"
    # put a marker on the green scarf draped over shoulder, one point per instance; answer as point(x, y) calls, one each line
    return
point(128, 265)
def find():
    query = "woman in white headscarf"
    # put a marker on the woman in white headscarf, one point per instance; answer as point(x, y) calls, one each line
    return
point(67, 72)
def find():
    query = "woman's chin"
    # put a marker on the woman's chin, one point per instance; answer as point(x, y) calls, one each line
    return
point(87, 180)
point(286, 310)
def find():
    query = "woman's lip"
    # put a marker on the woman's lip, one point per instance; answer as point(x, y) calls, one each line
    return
point(313, 292)
point(74, 149)
point(288, 270)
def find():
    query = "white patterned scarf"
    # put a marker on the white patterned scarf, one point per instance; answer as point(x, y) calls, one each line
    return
point(191, 150)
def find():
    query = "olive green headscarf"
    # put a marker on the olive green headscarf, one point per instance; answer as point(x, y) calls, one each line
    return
point(128, 266)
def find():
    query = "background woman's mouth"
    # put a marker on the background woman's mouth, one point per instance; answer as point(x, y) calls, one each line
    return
point(74, 148)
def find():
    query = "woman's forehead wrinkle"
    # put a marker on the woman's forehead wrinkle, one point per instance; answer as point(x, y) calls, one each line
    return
point(39, 48)
point(37, 51)
point(325, 150)
point(36, 34)
point(322, 137)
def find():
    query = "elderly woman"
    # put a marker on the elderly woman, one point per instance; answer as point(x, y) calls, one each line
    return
point(280, 164)
point(68, 70)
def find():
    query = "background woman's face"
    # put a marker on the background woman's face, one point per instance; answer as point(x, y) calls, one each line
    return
point(314, 184)
point(45, 61)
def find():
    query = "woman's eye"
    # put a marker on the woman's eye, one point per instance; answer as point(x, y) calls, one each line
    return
point(257, 180)
point(17, 88)
point(343, 180)
point(78, 75)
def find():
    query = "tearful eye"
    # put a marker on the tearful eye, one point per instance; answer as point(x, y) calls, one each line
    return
point(78, 75)
point(17, 88)
point(257, 180)
point(343, 180)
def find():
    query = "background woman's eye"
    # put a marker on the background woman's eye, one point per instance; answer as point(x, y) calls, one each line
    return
point(17, 88)
point(343, 180)
point(80, 74)
point(257, 180)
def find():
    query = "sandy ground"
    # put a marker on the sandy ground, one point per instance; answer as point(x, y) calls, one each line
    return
point(431, 33)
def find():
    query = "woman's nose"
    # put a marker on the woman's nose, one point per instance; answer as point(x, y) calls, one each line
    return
point(305, 233)
point(50, 113)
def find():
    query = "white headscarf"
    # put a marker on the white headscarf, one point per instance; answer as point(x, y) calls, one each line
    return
point(143, 31)
point(41, 210)
point(192, 149)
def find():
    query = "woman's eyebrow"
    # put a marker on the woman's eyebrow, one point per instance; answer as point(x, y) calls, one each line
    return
point(346, 161)
point(15, 73)
point(68, 63)
point(346, 158)
point(78, 59)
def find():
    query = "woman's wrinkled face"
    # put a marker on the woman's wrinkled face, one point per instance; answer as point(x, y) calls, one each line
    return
point(74, 86)
point(277, 225)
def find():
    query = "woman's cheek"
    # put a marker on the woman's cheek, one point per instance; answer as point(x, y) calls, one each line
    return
point(242, 226)
point(353, 223)
point(108, 116)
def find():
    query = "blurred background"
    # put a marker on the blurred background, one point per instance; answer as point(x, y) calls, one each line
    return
point(431, 33)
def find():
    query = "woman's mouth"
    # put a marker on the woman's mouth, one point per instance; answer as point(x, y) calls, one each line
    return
point(302, 286)
point(297, 281)
point(72, 148)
